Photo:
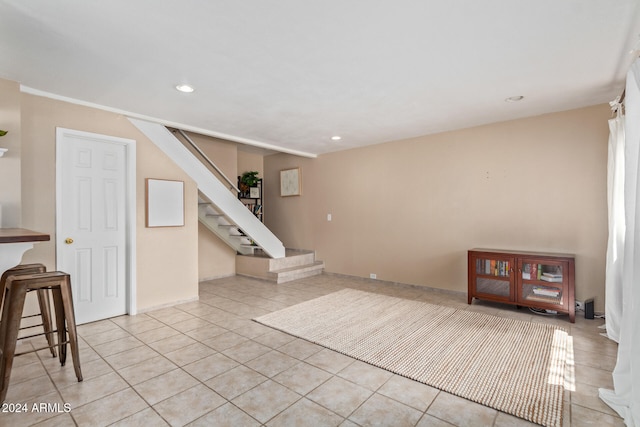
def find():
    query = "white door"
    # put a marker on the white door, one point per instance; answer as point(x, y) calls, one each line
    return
point(92, 221)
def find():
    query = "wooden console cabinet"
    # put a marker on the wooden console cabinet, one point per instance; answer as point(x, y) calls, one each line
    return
point(527, 279)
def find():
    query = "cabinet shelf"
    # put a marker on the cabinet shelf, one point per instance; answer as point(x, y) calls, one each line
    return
point(493, 276)
point(528, 279)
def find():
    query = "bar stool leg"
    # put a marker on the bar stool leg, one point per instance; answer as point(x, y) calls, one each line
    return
point(58, 305)
point(11, 316)
point(70, 317)
point(45, 312)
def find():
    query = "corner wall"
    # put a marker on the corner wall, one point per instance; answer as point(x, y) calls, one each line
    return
point(409, 210)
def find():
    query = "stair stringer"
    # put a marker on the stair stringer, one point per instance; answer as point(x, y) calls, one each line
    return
point(225, 202)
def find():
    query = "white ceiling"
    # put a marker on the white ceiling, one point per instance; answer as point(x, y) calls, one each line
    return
point(290, 73)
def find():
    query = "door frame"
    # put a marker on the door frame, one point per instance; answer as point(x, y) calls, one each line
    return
point(130, 208)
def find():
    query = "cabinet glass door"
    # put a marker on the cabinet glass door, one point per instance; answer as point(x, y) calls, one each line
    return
point(542, 282)
point(493, 277)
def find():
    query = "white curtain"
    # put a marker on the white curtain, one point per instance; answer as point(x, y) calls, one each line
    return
point(625, 398)
point(615, 245)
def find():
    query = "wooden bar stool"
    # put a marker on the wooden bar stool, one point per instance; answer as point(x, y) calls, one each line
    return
point(43, 300)
point(16, 289)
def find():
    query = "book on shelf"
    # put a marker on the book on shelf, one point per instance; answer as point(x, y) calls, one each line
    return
point(552, 277)
point(535, 271)
point(540, 290)
point(549, 274)
point(532, 271)
point(554, 299)
point(493, 267)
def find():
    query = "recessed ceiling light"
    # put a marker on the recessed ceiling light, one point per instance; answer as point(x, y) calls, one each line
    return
point(514, 98)
point(185, 88)
point(336, 138)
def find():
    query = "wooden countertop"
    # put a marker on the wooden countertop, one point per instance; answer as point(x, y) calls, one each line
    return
point(17, 235)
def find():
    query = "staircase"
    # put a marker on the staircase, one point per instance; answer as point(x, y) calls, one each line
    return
point(223, 227)
point(221, 200)
point(297, 264)
point(260, 253)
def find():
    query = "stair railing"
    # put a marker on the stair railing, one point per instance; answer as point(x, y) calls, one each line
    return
point(207, 160)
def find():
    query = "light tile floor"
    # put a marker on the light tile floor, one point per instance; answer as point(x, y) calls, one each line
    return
point(206, 363)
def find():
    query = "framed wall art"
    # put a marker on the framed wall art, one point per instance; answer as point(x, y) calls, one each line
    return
point(290, 182)
point(165, 203)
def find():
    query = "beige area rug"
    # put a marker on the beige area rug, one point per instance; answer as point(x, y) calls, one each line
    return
point(510, 365)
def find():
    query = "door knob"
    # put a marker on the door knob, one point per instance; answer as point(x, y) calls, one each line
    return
point(68, 240)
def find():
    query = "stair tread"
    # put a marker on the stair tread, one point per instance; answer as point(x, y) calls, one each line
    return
point(298, 267)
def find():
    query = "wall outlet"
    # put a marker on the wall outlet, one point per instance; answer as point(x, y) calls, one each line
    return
point(579, 305)
point(373, 276)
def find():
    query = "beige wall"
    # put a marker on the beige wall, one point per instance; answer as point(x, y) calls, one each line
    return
point(167, 258)
point(10, 196)
point(409, 210)
point(250, 162)
point(405, 210)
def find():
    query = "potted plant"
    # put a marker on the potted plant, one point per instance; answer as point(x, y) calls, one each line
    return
point(2, 150)
point(247, 180)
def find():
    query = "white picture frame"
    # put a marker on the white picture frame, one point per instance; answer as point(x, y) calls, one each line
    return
point(165, 203)
point(290, 182)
